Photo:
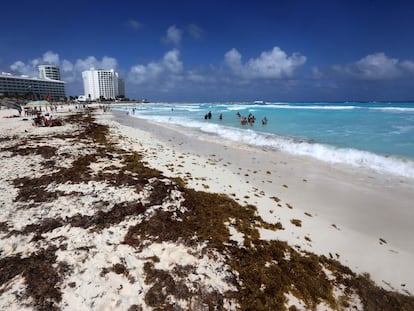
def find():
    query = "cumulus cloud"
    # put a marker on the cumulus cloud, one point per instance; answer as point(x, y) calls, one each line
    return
point(51, 58)
point(72, 72)
point(173, 35)
point(169, 68)
point(408, 66)
point(233, 60)
point(30, 68)
point(376, 66)
point(274, 64)
point(172, 62)
point(22, 68)
point(91, 61)
point(66, 66)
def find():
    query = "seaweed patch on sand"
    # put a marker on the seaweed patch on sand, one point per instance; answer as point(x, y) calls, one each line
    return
point(86, 224)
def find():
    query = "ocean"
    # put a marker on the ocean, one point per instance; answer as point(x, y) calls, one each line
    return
point(374, 135)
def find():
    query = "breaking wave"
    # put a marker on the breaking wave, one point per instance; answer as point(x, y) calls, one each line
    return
point(381, 163)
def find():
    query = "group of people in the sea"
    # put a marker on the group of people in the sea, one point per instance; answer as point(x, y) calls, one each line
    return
point(208, 116)
point(250, 119)
point(244, 120)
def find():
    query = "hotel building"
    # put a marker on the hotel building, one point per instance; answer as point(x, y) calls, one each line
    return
point(101, 84)
point(121, 87)
point(49, 72)
point(37, 88)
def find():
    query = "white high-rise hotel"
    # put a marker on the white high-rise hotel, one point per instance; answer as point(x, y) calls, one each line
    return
point(49, 72)
point(102, 84)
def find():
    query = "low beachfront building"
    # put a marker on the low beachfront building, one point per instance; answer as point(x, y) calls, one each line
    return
point(101, 84)
point(36, 88)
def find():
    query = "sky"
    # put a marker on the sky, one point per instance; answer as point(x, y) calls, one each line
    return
point(186, 51)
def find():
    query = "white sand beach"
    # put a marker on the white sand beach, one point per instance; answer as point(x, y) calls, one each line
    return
point(344, 212)
point(360, 218)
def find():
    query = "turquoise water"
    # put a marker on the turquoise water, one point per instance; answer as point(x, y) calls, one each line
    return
point(378, 136)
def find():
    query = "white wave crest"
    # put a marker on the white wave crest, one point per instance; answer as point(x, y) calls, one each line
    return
point(393, 109)
point(326, 153)
point(312, 107)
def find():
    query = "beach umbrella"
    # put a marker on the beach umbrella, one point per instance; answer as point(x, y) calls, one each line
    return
point(37, 103)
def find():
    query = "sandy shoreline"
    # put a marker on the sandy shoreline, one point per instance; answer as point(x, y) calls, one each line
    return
point(94, 218)
point(352, 212)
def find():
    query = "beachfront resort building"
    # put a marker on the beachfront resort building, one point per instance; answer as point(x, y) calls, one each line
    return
point(101, 84)
point(49, 72)
point(121, 87)
point(33, 88)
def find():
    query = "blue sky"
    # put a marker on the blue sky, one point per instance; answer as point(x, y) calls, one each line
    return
point(220, 50)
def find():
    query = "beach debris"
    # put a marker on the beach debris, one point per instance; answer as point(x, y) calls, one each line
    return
point(382, 241)
point(335, 226)
point(296, 222)
point(276, 199)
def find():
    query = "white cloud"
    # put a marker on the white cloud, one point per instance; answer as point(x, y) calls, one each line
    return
point(172, 62)
point(169, 75)
point(24, 69)
point(376, 66)
point(173, 35)
point(30, 68)
point(408, 66)
point(51, 58)
point(72, 72)
point(233, 60)
point(91, 61)
point(66, 66)
point(194, 76)
point(274, 64)
point(168, 69)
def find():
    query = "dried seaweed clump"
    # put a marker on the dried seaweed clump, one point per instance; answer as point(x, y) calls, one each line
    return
point(41, 277)
point(266, 270)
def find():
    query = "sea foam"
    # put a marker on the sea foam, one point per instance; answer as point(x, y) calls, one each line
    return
point(327, 153)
